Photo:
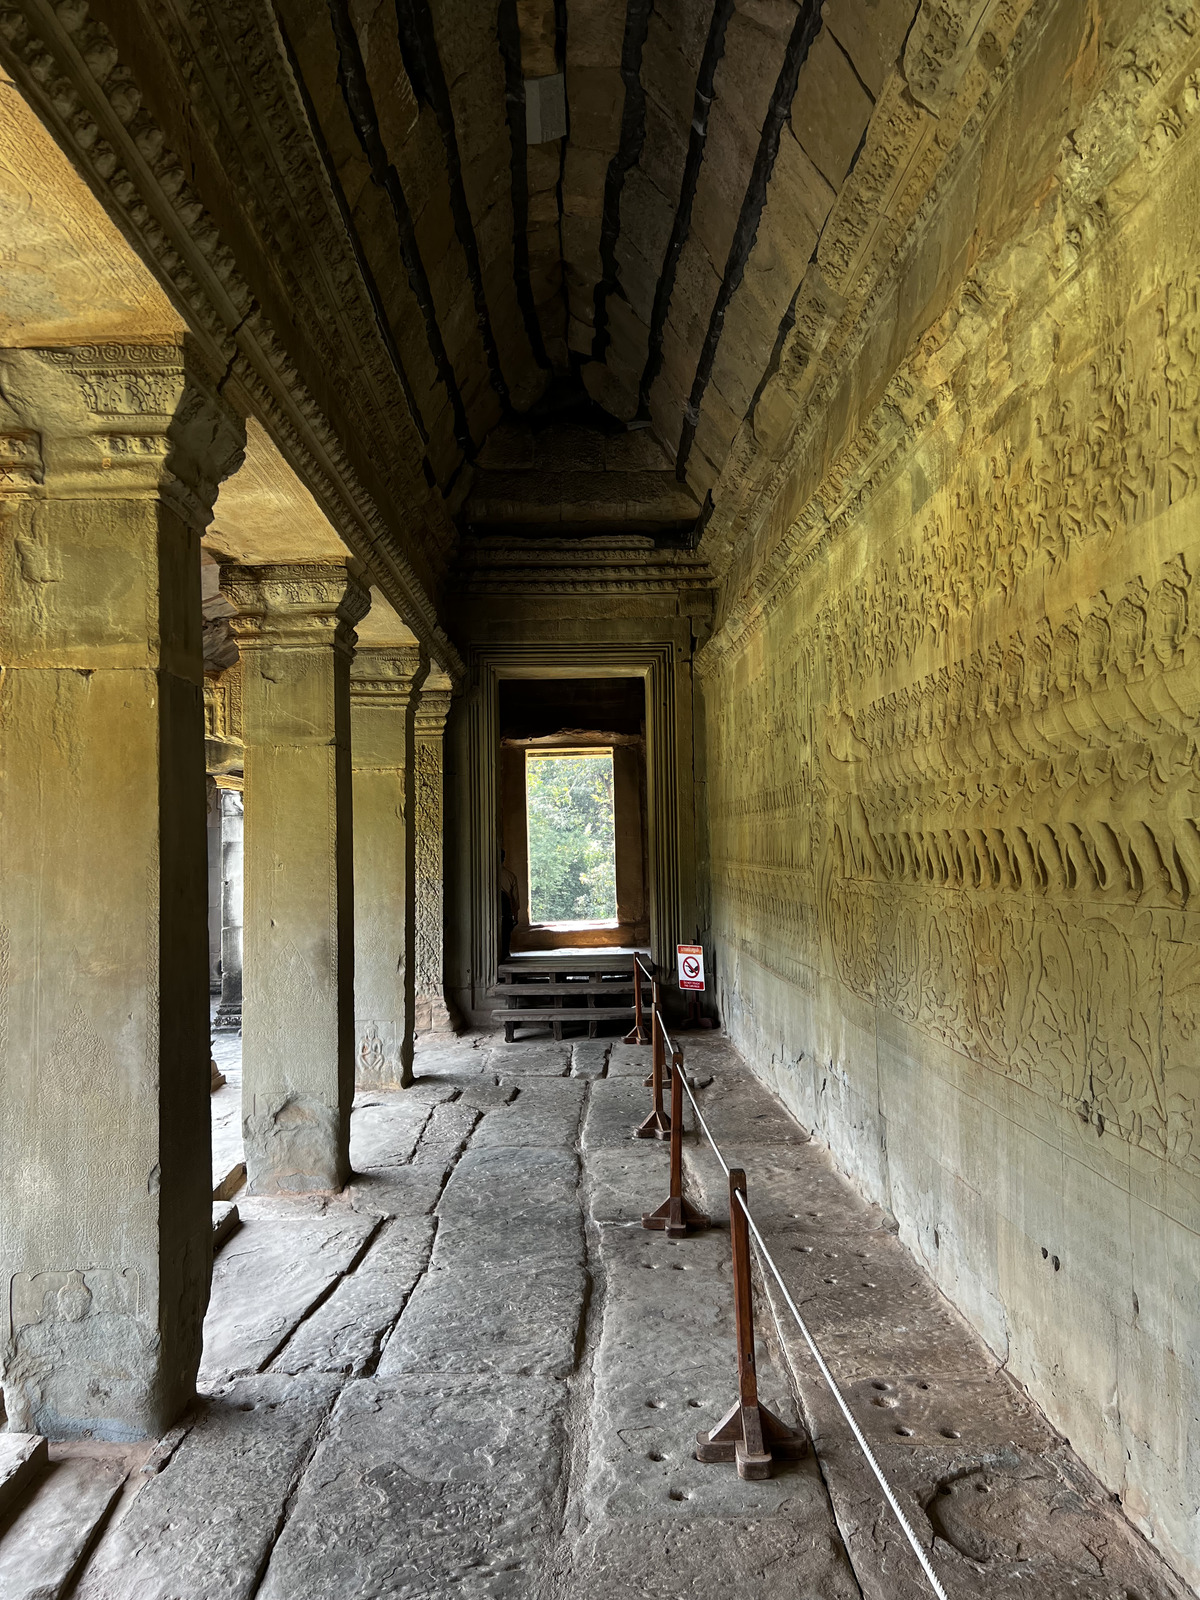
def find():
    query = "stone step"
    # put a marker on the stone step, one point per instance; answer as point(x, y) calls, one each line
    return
point(576, 961)
point(48, 1540)
point(578, 986)
point(231, 1182)
point(23, 1459)
point(549, 1014)
point(226, 1221)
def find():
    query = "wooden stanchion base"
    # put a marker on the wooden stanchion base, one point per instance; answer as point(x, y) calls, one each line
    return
point(656, 1126)
point(676, 1217)
point(752, 1436)
point(636, 1035)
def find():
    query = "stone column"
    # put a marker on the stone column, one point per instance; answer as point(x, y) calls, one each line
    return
point(295, 630)
point(213, 813)
point(110, 458)
point(229, 1012)
point(431, 1013)
point(383, 690)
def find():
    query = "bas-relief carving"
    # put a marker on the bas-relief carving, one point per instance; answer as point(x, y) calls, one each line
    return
point(429, 980)
point(953, 754)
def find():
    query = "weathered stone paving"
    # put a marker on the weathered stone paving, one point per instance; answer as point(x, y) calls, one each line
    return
point(475, 1374)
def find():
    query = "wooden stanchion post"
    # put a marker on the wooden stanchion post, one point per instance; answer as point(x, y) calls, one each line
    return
point(658, 1124)
point(748, 1433)
point(655, 1002)
point(637, 1034)
point(676, 1216)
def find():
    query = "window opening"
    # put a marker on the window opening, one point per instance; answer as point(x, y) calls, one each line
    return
point(572, 836)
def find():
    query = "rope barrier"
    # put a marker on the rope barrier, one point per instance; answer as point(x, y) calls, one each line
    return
point(905, 1525)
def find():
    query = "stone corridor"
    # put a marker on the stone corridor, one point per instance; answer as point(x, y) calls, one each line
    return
point(475, 1374)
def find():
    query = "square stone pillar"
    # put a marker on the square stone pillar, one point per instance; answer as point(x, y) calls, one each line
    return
point(213, 797)
point(229, 1011)
point(110, 458)
point(295, 630)
point(432, 1013)
point(383, 691)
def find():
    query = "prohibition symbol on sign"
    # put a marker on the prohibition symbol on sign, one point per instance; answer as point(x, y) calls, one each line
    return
point(691, 966)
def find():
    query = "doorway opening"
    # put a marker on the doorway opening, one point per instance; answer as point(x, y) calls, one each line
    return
point(573, 814)
point(572, 846)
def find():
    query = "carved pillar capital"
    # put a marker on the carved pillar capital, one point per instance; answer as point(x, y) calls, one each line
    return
point(295, 604)
point(433, 707)
point(388, 676)
point(117, 422)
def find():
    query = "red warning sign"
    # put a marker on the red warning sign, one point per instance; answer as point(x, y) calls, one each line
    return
point(691, 965)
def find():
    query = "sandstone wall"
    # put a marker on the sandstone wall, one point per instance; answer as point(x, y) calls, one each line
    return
point(953, 776)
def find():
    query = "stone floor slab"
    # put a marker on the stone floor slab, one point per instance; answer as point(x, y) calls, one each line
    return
point(427, 1489)
point(539, 1058)
point(49, 1537)
point(589, 1057)
point(510, 1182)
point(544, 1112)
point(552, 1238)
point(781, 1558)
point(203, 1528)
point(616, 1107)
point(502, 1320)
point(23, 1459)
point(385, 1133)
point(397, 1192)
point(346, 1332)
point(628, 1181)
point(267, 1278)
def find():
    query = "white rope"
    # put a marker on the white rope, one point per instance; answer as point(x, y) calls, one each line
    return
point(906, 1527)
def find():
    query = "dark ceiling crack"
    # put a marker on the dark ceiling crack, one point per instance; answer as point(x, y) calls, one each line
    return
point(850, 63)
point(804, 33)
point(508, 36)
point(714, 49)
point(629, 150)
point(418, 46)
point(786, 323)
point(360, 105)
point(339, 195)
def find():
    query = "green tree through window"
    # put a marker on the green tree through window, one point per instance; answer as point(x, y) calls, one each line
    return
point(572, 840)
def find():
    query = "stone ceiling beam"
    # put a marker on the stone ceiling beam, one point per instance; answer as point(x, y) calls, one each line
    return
point(508, 34)
point(364, 115)
point(804, 32)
